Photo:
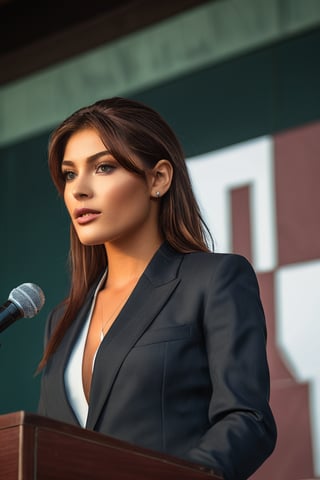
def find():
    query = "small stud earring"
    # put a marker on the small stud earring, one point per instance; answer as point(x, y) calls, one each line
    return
point(158, 194)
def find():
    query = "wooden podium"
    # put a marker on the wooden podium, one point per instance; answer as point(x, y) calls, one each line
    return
point(33, 447)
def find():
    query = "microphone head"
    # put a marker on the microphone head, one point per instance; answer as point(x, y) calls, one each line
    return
point(29, 298)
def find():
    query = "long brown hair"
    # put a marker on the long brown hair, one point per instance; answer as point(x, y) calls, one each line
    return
point(129, 130)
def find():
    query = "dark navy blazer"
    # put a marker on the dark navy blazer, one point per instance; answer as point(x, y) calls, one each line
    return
point(183, 369)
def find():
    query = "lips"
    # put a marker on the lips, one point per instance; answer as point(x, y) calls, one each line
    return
point(85, 215)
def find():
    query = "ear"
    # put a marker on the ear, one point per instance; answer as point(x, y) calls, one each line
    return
point(160, 178)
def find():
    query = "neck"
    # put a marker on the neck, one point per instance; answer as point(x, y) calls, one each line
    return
point(127, 264)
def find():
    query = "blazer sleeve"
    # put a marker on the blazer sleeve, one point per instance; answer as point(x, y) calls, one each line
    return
point(42, 404)
point(242, 432)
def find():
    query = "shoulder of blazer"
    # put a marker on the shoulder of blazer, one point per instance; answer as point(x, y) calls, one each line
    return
point(219, 269)
point(168, 261)
point(207, 260)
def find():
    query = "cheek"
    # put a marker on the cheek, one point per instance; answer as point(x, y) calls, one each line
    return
point(129, 194)
point(67, 199)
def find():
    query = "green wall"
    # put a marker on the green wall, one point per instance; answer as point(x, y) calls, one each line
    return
point(31, 250)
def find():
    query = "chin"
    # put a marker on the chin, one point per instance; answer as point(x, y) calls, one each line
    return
point(88, 242)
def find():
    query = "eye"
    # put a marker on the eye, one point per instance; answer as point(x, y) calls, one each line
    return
point(68, 175)
point(105, 168)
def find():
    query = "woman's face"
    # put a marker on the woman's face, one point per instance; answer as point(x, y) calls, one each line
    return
point(106, 202)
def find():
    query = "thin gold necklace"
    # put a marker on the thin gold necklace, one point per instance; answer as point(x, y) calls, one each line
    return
point(112, 316)
point(116, 311)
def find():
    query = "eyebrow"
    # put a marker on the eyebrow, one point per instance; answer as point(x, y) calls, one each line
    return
point(90, 159)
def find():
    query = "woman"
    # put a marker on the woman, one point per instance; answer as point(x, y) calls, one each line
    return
point(160, 343)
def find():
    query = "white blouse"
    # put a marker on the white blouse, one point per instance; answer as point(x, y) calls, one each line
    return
point(73, 372)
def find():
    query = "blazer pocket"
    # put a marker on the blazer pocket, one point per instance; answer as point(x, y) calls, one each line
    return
point(166, 334)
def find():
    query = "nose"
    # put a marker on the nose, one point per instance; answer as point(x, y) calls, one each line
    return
point(81, 188)
point(80, 195)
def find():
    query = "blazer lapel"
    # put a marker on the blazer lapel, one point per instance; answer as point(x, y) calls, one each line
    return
point(151, 293)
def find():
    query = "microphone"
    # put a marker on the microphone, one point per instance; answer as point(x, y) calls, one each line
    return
point(24, 301)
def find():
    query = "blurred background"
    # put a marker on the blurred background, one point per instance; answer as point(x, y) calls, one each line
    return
point(239, 82)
